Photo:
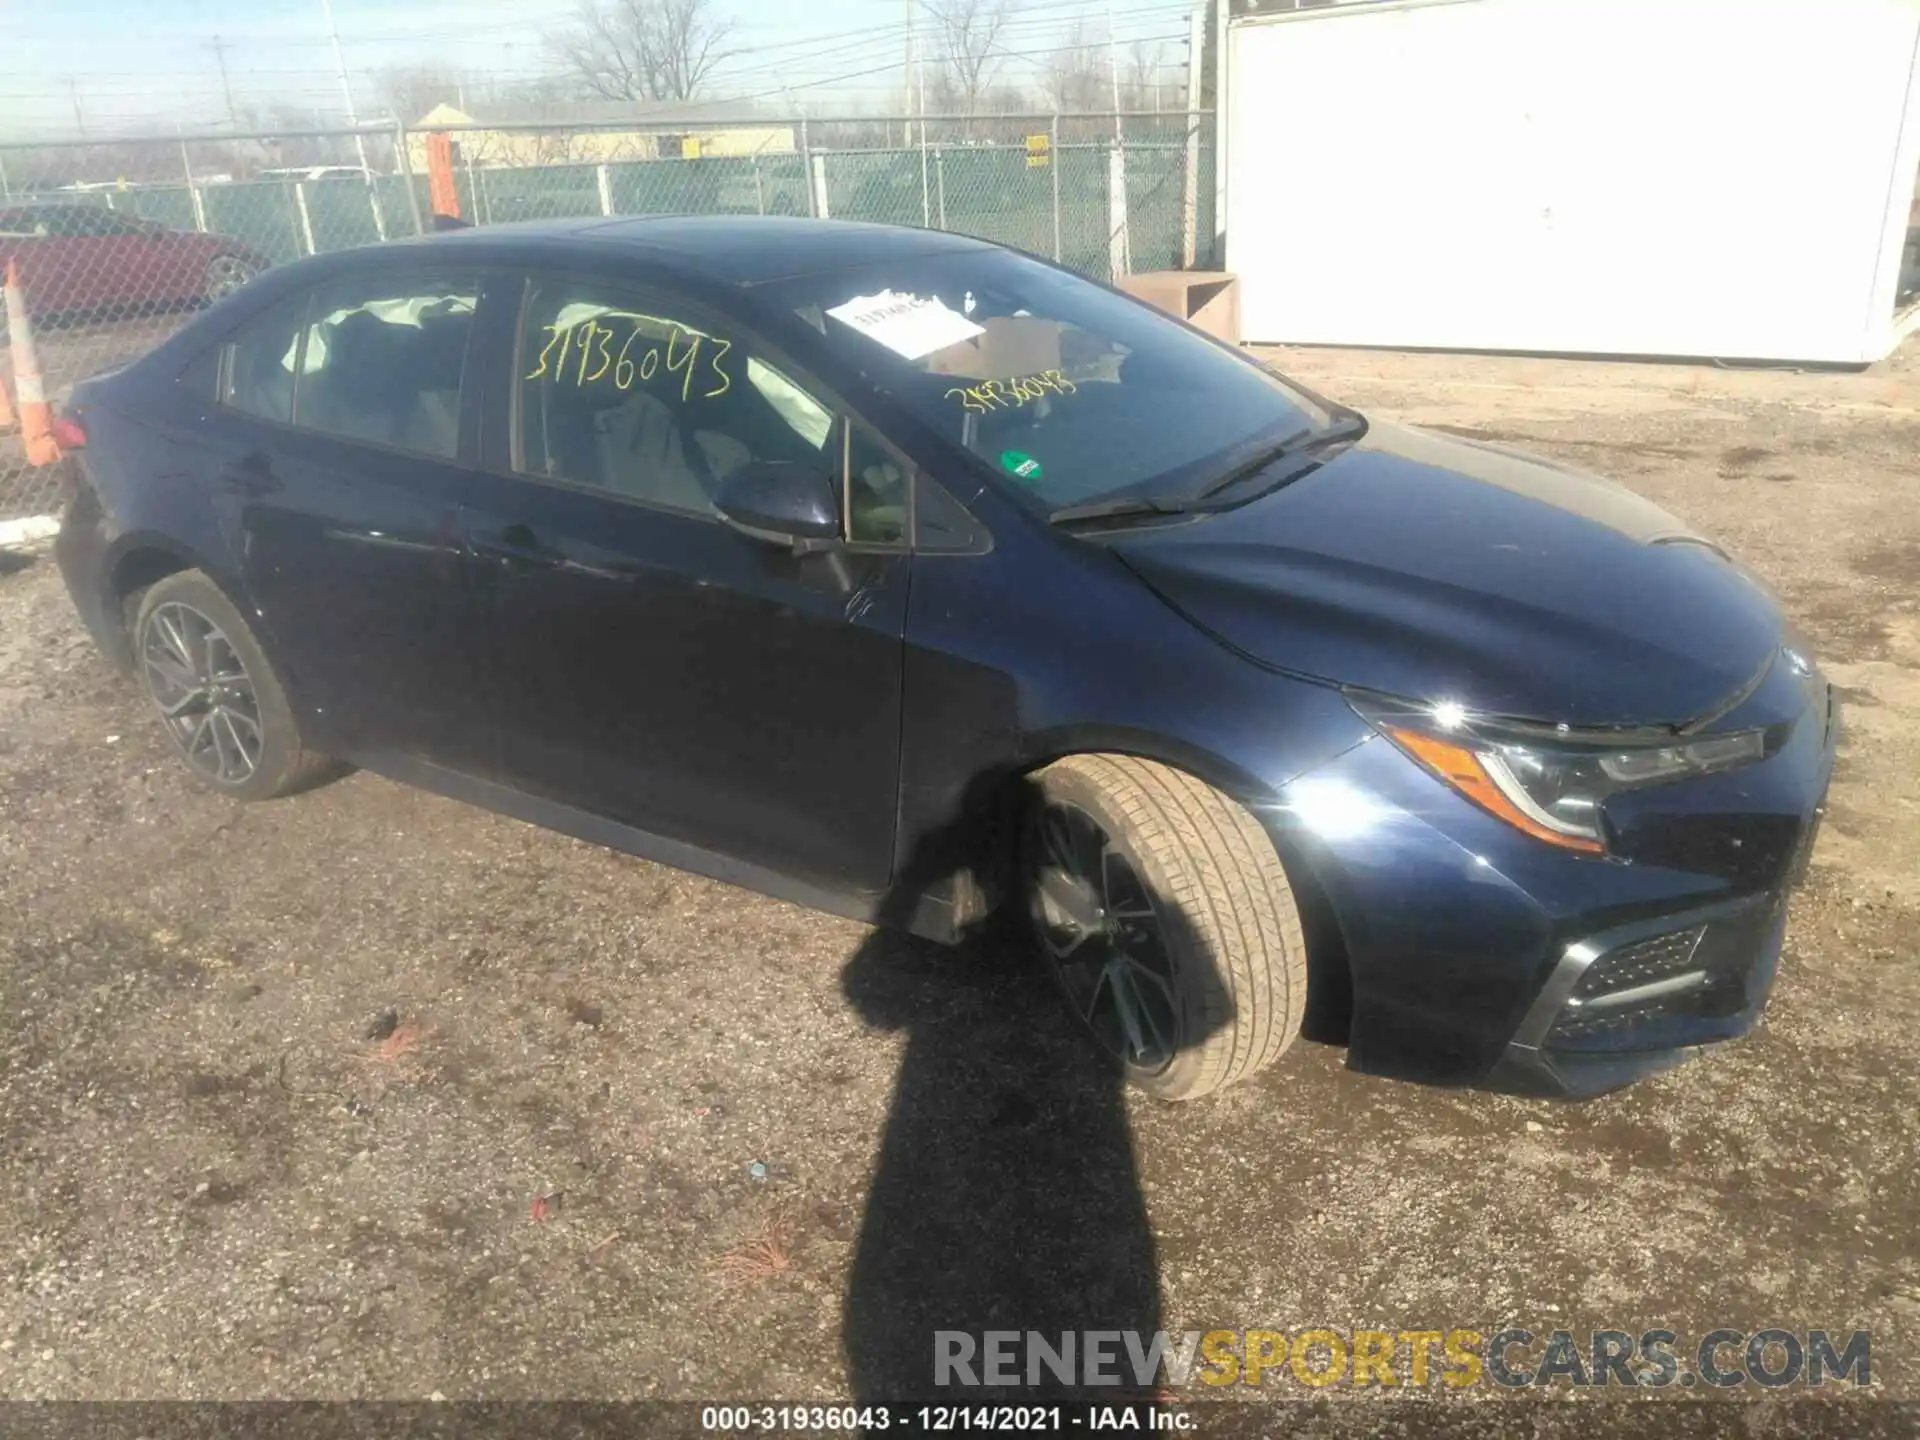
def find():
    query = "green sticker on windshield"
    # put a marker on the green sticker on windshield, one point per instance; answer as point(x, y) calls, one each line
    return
point(1021, 465)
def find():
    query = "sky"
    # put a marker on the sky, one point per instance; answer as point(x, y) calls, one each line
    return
point(134, 66)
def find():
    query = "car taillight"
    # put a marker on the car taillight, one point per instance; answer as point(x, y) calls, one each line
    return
point(68, 433)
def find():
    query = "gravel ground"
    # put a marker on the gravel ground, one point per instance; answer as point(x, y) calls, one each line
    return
point(368, 1094)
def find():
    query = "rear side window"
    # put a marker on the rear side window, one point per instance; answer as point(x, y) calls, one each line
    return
point(382, 361)
point(256, 373)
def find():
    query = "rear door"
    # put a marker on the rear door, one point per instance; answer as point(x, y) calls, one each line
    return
point(655, 666)
point(343, 461)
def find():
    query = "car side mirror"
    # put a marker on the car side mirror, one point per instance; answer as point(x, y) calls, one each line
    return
point(782, 501)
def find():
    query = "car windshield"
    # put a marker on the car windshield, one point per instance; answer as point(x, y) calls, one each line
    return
point(1074, 393)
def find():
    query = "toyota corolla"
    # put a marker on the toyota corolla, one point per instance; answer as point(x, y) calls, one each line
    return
point(926, 582)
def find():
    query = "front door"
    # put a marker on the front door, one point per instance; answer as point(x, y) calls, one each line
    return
point(657, 667)
point(339, 478)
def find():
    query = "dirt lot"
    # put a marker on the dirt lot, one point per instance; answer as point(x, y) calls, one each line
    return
point(630, 1133)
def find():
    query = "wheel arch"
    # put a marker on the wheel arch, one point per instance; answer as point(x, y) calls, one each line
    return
point(1329, 1001)
point(138, 561)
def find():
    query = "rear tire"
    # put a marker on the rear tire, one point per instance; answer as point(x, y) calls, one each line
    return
point(217, 695)
point(1219, 994)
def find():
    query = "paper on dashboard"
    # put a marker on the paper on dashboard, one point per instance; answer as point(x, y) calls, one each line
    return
point(909, 325)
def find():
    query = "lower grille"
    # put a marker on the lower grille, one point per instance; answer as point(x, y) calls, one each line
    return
point(1653, 992)
point(1641, 964)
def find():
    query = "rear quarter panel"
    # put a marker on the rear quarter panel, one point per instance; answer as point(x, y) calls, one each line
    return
point(145, 464)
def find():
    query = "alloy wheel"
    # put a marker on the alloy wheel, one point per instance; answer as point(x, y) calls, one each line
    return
point(203, 692)
point(1104, 939)
point(226, 274)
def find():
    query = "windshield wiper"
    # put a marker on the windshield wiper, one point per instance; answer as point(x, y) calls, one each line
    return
point(1301, 442)
point(1125, 507)
point(1119, 507)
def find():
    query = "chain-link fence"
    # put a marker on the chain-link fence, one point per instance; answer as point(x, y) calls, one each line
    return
point(111, 246)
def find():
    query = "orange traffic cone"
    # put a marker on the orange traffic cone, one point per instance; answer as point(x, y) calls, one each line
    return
point(36, 415)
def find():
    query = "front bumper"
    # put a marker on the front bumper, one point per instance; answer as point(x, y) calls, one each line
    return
point(1644, 997)
point(1479, 956)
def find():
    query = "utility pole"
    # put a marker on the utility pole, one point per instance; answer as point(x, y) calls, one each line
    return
point(226, 84)
point(1190, 199)
point(1119, 246)
point(906, 79)
point(79, 117)
point(1222, 132)
point(346, 87)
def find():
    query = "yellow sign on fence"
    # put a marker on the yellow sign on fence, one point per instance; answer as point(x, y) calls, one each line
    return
point(1039, 150)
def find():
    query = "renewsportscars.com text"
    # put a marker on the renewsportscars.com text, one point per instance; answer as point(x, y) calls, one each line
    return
point(1512, 1358)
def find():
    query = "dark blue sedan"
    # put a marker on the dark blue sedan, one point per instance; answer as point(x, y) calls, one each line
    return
point(917, 580)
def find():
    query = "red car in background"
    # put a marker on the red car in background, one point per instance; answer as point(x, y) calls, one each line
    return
point(88, 260)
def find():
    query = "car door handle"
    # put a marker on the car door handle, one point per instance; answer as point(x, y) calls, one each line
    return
point(517, 548)
point(251, 476)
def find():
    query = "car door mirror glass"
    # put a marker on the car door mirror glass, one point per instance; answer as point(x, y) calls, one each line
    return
point(779, 500)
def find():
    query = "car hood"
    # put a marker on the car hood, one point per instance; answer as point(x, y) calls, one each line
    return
point(1440, 569)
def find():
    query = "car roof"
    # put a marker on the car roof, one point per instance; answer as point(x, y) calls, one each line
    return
point(734, 249)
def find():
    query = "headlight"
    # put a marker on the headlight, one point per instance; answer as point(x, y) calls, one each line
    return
point(1549, 781)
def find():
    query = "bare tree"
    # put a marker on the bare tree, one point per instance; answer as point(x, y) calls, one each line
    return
point(642, 49)
point(295, 150)
point(967, 34)
point(1075, 76)
point(410, 91)
point(1140, 77)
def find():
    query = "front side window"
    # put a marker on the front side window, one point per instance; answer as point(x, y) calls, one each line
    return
point(622, 394)
point(1071, 392)
point(383, 360)
point(875, 494)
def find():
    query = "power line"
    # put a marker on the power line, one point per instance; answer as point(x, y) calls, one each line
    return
point(846, 47)
point(1030, 17)
point(877, 69)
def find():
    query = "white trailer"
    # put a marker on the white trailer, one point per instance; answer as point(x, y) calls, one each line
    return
point(1725, 178)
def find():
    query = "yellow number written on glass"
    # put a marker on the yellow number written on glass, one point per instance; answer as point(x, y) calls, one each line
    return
point(685, 362)
point(557, 335)
point(598, 360)
point(719, 373)
point(1011, 393)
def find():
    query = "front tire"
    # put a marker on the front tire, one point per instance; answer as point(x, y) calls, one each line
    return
point(218, 696)
point(1164, 915)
